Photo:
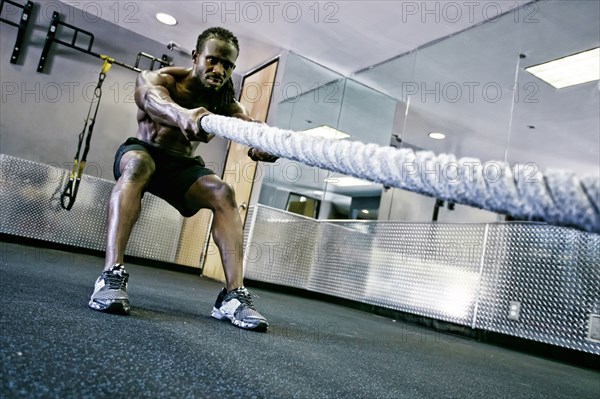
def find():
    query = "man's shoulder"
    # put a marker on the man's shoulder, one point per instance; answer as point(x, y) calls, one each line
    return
point(167, 74)
point(174, 71)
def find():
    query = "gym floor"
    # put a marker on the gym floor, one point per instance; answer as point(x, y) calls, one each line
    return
point(54, 346)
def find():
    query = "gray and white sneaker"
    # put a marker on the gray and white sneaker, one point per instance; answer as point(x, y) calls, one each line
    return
point(110, 291)
point(237, 307)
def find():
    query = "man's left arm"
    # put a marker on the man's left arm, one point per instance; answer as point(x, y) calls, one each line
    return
point(256, 155)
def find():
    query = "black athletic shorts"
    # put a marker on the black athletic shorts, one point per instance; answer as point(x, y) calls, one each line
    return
point(173, 176)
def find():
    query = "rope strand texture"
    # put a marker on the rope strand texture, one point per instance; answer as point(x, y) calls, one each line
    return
point(557, 197)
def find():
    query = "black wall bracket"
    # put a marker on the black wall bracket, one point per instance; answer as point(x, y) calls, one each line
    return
point(77, 41)
point(22, 25)
point(51, 38)
point(164, 61)
point(77, 33)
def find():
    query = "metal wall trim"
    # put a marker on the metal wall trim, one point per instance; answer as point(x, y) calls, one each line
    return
point(481, 264)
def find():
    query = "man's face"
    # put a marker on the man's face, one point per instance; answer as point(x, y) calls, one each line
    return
point(215, 64)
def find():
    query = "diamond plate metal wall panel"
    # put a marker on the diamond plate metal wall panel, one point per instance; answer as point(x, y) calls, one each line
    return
point(552, 274)
point(427, 269)
point(30, 194)
point(341, 260)
point(280, 248)
point(157, 231)
point(30, 199)
point(467, 274)
point(248, 224)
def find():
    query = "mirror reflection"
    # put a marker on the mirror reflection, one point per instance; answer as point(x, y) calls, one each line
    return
point(325, 104)
point(470, 95)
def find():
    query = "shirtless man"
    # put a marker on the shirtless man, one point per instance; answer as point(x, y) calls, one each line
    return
point(160, 160)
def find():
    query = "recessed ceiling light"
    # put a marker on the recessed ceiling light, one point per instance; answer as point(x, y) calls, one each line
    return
point(166, 18)
point(365, 211)
point(437, 136)
point(326, 132)
point(347, 181)
point(570, 70)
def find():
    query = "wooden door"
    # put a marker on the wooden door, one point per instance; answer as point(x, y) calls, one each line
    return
point(239, 171)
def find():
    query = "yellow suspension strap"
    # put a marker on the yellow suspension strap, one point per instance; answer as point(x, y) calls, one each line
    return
point(67, 198)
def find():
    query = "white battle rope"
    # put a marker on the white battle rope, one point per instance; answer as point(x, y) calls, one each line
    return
point(556, 197)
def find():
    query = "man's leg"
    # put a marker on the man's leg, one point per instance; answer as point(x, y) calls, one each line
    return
point(110, 291)
point(234, 303)
point(213, 193)
point(124, 206)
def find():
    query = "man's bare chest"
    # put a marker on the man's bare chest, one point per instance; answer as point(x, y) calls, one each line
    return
point(190, 100)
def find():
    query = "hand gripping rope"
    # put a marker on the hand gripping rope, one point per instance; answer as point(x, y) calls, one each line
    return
point(69, 194)
point(557, 196)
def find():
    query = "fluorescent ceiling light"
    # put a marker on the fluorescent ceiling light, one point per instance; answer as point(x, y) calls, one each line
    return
point(569, 71)
point(347, 181)
point(437, 136)
point(166, 18)
point(365, 211)
point(326, 132)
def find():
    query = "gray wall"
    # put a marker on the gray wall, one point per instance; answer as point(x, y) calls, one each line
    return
point(43, 113)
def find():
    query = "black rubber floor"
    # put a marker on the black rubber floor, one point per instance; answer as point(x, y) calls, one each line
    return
point(54, 346)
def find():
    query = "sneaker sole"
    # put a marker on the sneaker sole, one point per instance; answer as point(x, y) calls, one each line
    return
point(115, 307)
point(217, 314)
point(260, 325)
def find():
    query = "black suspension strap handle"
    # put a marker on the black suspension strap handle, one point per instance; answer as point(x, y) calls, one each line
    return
point(69, 193)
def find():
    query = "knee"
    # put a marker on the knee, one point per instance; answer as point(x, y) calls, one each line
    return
point(212, 193)
point(137, 168)
point(223, 195)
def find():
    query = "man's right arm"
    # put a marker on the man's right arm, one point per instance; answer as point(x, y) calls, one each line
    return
point(152, 96)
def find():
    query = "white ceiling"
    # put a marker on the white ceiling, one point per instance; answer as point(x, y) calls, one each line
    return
point(350, 37)
point(345, 36)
